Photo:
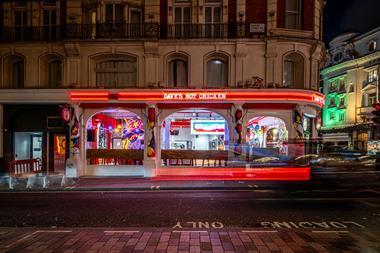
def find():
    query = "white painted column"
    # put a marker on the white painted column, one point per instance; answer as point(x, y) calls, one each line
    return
point(76, 163)
point(151, 163)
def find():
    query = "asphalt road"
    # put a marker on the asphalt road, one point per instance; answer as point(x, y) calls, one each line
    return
point(190, 209)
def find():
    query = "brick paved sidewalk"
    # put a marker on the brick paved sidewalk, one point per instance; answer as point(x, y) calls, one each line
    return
point(167, 240)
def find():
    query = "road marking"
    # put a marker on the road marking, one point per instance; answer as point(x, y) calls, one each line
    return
point(53, 231)
point(199, 224)
point(324, 231)
point(189, 231)
point(311, 224)
point(36, 232)
point(121, 231)
point(259, 231)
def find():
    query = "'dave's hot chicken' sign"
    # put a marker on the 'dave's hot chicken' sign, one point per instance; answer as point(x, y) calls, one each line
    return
point(194, 95)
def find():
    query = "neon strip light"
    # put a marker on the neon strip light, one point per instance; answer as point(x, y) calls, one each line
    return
point(204, 96)
point(294, 96)
point(260, 174)
point(88, 96)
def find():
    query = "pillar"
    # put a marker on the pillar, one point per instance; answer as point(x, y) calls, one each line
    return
point(76, 162)
point(151, 145)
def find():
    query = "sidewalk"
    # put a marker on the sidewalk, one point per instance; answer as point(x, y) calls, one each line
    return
point(92, 240)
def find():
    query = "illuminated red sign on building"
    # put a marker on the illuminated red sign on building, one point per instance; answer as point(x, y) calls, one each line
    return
point(267, 96)
point(195, 95)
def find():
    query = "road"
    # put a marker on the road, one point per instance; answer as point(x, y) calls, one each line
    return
point(192, 209)
point(256, 220)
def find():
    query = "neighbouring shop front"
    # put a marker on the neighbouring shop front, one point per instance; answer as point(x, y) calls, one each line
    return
point(35, 132)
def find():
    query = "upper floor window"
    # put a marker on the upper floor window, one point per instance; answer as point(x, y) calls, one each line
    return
point(17, 80)
point(13, 71)
point(20, 18)
point(117, 73)
point(55, 73)
point(135, 16)
point(50, 2)
point(293, 14)
point(342, 102)
point(332, 87)
point(351, 87)
point(115, 13)
point(372, 76)
point(342, 85)
point(371, 99)
point(213, 18)
point(51, 71)
point(20, 3)
point(293, 71)
point(182, 18)
point(372, 46)
point(217, 73)
point(332, 102)
point(341, 116)
point(178, 72)
point(332, 115)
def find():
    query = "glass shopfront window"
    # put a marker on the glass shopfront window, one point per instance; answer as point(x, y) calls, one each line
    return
point(190, 137)
point(115, 137)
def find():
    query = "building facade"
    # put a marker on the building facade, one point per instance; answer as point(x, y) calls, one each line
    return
point(350, 81)
point(138, 87)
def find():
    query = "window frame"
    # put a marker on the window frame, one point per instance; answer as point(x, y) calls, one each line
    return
point(225, 61)
point(128, 59)
point(169, 73)
point(49, 74)
point(298, 15)
point(372, 45)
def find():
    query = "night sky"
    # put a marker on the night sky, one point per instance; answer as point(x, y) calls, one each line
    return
point(344, 15)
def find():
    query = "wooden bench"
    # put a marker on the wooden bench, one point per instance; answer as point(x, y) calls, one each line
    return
point(178, 157)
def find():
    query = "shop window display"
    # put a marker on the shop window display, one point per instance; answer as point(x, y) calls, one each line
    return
point(267, 136)
point(115, 130)
point(194, 130)
point(115, 137)
point(194, 138)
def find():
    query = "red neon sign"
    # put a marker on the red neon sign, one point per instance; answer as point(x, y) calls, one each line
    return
point(195, 95)
point(276, 96)
point(89, 95)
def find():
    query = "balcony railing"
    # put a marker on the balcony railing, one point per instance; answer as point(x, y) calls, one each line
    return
point(367, 83)
point(140, 31)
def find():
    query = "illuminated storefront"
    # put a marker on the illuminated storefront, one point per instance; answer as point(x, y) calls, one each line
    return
point(157, 132)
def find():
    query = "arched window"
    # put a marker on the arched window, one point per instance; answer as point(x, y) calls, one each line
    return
point(178, 71)
point(120, 72)
point(293, 71)
point(51, 71)
point(18, 73)
point(372, 46)
point(55, 73)
point(217, 72)
point(293, 14)
point(14, 69)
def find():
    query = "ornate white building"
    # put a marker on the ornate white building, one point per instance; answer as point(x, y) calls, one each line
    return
point(151, 85)
point(350, 78)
